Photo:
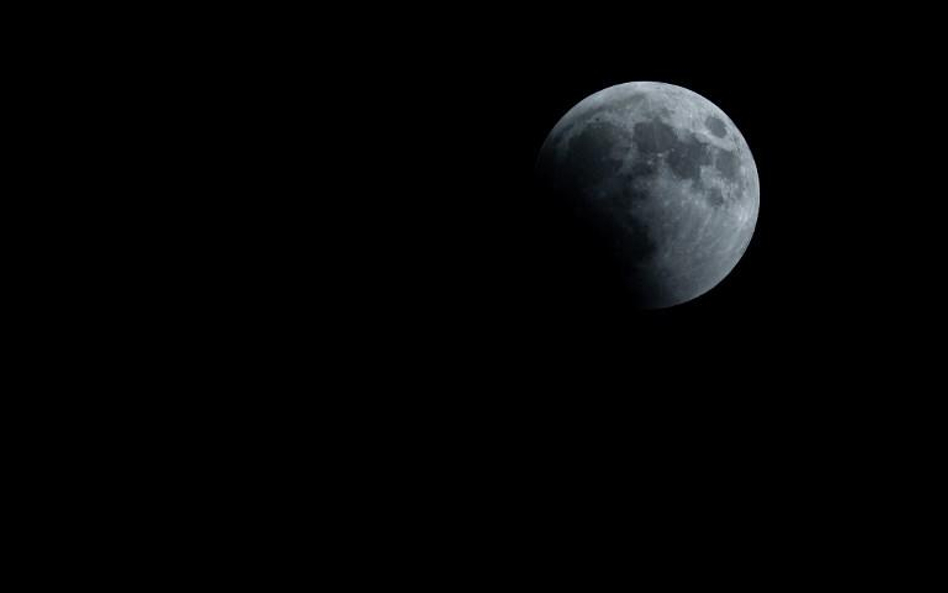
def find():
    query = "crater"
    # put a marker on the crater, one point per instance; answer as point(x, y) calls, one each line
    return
point(716, 126)
point(632, 100)
point(728, 164)
point(715, 199)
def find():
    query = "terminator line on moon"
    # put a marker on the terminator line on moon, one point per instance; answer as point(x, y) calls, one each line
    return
point(665, 181)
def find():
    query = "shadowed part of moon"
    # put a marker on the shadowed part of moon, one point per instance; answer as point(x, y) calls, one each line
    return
point(591, 153)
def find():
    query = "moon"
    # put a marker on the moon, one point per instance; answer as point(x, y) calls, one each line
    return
point(664, 181)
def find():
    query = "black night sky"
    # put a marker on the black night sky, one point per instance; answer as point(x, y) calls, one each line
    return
point(442, 342)
point(326, 318)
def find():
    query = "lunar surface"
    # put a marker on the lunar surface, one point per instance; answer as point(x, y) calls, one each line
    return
point(665, 182)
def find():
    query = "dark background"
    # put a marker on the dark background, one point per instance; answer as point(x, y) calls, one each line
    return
point(354, 291)
point(301, 265)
